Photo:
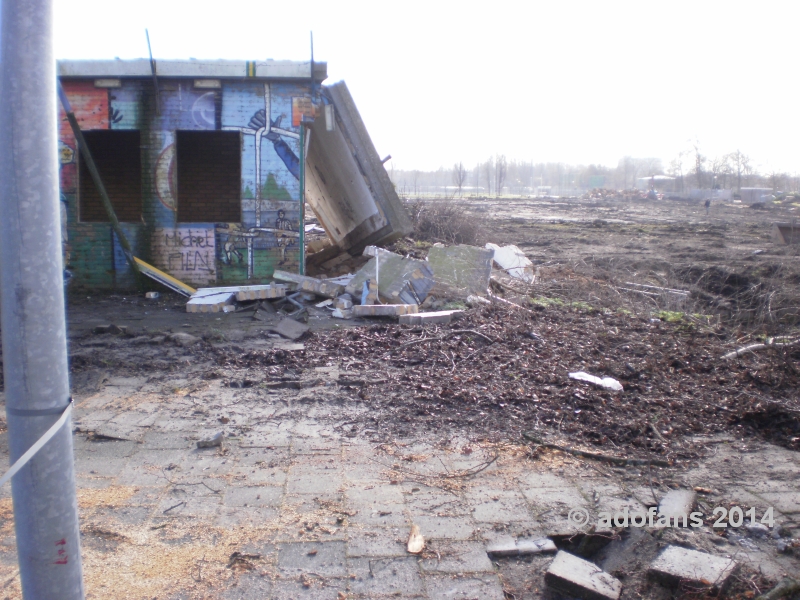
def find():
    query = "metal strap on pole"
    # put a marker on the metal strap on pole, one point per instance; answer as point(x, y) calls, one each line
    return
point(22, 460)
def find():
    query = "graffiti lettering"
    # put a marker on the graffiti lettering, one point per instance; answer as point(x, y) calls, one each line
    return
point(191, 261)
point(189, 239)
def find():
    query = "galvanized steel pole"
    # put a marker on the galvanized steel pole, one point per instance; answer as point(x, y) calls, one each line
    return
point(33, 324)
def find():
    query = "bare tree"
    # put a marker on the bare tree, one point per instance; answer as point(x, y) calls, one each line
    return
point(699, 163)
point(459, 176)
point(740, 165)
point(500, 172)
point(720, 169)
point(488, 170)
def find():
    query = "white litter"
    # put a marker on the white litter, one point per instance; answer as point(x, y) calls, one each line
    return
point(606, 382)
point(513, 261)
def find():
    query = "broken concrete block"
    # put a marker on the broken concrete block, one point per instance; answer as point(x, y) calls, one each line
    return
point(289, 328)
point(429, 318)
point(384, 310)
point(676, 507)
point(321, 287)
point(343, 303)
point(212, 442)
point(520, 547)
point(210, 300)
point(460, 270)
point(513, 261)
point(184, 339)
point(577, 577)
point(112, 329)
point(261, 292)
point(399, 279)
point(786, 233)
point(342, 313)
point(676, 565)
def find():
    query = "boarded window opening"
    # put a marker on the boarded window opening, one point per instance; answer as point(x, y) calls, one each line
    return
point(117, 156)
point(209, 176)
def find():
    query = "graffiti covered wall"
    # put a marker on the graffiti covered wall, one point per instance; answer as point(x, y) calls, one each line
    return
point(267, 116)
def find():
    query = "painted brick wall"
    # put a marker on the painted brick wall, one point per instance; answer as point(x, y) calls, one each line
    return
point(251, 221)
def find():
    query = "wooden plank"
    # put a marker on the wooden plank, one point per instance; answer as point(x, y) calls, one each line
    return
point(164, 279)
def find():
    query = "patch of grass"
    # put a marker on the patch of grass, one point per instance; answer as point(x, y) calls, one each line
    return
point(625, 312)
point(456, 305)
point(581, 306)
point(545, 302)
point(669, 316)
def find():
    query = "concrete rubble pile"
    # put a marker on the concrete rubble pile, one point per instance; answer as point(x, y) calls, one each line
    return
point(386, 285)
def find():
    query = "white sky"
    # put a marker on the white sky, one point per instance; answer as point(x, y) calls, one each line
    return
point(437, 82)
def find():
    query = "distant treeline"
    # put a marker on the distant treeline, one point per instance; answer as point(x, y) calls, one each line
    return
point(497, 176)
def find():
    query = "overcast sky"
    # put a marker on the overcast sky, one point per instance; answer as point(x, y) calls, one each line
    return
point(439, 82)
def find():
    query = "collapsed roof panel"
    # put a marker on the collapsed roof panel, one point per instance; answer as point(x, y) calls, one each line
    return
point(346, 184)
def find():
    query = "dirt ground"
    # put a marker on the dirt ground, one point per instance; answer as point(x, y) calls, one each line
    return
point(472, 388)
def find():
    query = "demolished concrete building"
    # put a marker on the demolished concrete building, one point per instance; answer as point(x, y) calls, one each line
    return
point(202, 163)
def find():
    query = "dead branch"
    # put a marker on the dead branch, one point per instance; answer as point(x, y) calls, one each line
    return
point(445, 336)
point(615, 460)
point(787, 586)
point(770, 343)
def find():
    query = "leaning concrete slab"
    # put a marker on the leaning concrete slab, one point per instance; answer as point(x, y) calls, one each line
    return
point(384, 310)
point(680, 565)
point(439, 317)
point(460, 271)
point(347, 186)
point(400, 279)
point(786, 233)
point(577, 577)
point(321, 287)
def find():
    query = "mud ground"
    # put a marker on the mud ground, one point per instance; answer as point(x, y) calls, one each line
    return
point(335, 444)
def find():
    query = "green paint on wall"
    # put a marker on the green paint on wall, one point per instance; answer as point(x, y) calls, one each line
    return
point(272, 191)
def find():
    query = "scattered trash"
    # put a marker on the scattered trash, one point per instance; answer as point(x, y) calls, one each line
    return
point(513, 261)
point(606, 382)
point(577, 577)
point(675, 565)
point(152, 295)
point(212, 442)
point(416, 543)
point(676, 507)
point(520, 547)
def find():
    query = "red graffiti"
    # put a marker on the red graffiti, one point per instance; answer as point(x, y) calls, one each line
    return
point(61, 542)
